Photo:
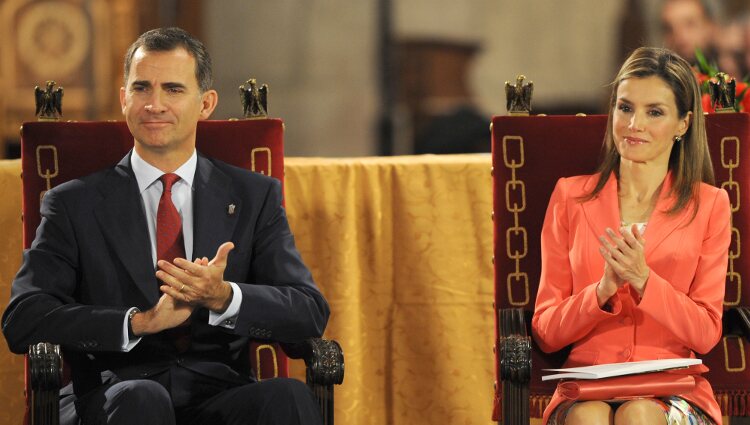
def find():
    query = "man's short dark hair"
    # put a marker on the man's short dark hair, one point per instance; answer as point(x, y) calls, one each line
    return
point(168, 39)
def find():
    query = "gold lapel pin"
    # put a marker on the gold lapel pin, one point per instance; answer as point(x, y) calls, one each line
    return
point(230, 209)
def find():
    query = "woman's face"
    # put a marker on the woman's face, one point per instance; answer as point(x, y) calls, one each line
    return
point(645, 120)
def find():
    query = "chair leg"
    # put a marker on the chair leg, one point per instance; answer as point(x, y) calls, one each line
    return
point(329, 405)
point(324, 396)
point(45, 408)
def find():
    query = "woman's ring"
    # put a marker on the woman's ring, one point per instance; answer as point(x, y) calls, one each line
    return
point(182, 287)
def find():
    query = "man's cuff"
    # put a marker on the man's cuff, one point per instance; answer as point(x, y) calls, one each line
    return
point(228, 319)
point(127, 343)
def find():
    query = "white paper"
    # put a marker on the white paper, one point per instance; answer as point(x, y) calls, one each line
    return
point(619, 369)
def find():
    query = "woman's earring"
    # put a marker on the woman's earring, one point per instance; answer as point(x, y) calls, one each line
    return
point(677, 138)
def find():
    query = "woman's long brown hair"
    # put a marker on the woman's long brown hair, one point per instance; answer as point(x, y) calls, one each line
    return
point(689, 160)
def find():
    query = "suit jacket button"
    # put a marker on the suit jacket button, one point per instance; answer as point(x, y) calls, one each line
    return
point(627, 321)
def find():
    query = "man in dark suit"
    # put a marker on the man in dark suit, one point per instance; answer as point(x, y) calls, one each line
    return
point(168, 346)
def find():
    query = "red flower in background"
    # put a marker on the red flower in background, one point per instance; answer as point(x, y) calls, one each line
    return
point(701, 77)
point(706, 102)
point(741, 95)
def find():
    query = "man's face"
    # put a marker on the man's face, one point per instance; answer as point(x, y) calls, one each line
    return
point(162, 103)
point(686, 27)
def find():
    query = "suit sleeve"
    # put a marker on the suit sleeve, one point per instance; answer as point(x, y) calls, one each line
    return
point(703, 304)
point(42, 306)
point(560, 316)
point(283, 303)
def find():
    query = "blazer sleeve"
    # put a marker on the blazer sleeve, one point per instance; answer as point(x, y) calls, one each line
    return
point(703, 304)
point(283, 303)
point(562, 317)
point(42, 306)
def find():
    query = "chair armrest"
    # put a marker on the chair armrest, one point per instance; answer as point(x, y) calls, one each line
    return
point(736, 321)
point(45, 366)
point(45, 376)
point(325, 367)
point(515, 346)
point(324, 360)
point(514, 365)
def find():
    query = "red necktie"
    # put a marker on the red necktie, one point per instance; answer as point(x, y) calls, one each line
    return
point(169, 242)
point(170, 245)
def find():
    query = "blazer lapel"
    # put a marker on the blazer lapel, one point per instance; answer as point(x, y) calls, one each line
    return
point(215, 209)
point(660, 224)
point(123, 223)
point(604, 210)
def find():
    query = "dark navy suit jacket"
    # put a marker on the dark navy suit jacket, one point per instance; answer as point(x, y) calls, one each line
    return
point(91, 261)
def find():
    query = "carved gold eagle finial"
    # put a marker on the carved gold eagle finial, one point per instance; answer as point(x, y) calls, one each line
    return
point(722, 93)
point(48, 102)
point(518, 96)
point(254, 99)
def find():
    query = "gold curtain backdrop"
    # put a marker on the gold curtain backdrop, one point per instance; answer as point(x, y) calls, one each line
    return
point(11, 365)
point(401, 247)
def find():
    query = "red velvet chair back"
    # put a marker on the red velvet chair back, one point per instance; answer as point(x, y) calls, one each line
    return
point(55, 152)
point(529, 154)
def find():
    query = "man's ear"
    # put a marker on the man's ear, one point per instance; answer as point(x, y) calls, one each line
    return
point(209, 100)
point(122, 99)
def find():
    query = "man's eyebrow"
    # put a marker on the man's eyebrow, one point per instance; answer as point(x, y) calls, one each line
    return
point(141, 83)
point(173, 85)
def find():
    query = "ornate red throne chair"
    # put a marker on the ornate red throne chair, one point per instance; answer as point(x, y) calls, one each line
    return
point(529, 154)
point(54, 152)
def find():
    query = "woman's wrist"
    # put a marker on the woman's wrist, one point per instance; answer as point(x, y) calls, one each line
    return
point(640, 286)
point(601, 296)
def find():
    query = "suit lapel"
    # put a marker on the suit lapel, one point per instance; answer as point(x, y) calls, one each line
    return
point(123, 223)
point(215, 209)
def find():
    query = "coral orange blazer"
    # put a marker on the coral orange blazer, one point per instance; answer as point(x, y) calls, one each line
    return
point(680, 312)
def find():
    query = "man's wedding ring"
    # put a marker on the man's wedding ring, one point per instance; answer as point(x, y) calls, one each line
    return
point(181, 287)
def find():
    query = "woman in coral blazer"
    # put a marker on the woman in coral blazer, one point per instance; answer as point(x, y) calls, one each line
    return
point(634, 258)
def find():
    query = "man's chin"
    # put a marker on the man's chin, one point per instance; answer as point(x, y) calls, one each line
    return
point(155, 145)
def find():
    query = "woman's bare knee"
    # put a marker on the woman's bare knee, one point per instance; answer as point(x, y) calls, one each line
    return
point(641, 412)
point(589, 413)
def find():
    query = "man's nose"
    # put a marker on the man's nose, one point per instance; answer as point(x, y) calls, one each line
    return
point(154, 103)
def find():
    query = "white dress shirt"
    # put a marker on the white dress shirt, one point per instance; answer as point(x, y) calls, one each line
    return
point(150, 187)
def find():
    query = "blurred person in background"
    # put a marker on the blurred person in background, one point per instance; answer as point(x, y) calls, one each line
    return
point(746, 39)
point(687, 25)
point(730, 46)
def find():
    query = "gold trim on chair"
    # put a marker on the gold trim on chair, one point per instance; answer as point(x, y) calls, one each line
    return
point(516, 205)
point(275, 360)
point(47, 175)
point(726, 354)
point(730, 160)
point(252, 160)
